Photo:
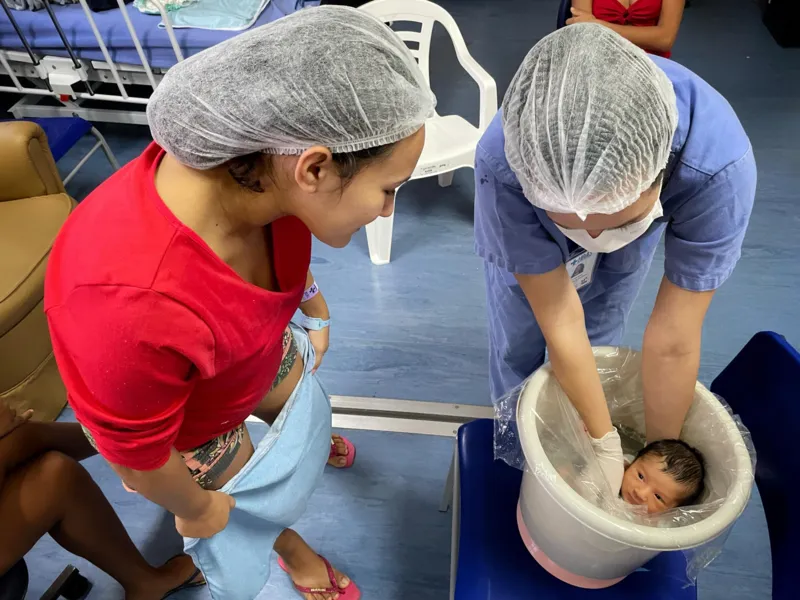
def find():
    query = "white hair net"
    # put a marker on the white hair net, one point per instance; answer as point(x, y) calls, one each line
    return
point(588, 121)
point(330, 76)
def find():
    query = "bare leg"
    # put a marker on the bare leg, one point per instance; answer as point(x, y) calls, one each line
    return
point(32, 439)
point(305, 566)
point(53, 493)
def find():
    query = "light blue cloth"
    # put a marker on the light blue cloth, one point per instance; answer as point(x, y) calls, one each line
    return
point(707, 197)
point(271, 491)
point(228, 15)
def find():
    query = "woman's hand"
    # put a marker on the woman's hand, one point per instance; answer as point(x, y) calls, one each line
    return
point(320, 341)
point(211, 521)
point(581, 16)
point(10, 420)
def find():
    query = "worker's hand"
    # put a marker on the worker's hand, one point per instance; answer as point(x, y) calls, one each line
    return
point(213, 520)
point(320, 341)
point(10, 420)
point(581, 16)
point(608, 450)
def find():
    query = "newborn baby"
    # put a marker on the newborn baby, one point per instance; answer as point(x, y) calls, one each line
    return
point(665, 474)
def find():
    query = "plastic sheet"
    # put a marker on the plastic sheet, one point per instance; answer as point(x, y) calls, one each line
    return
point(569, 455)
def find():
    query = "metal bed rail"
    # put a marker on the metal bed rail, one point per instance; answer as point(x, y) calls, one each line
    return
point(72, 81)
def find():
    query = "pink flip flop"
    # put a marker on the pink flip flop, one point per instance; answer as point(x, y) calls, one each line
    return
point(350, 457)
point(351, 592)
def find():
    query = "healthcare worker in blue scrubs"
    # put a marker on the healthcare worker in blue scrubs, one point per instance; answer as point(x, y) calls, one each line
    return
point(598, 151)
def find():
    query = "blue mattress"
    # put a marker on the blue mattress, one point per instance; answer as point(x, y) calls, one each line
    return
point(42, 36)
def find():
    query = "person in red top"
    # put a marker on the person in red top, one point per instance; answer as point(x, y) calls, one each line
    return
point(650, 24)
point(170, 289)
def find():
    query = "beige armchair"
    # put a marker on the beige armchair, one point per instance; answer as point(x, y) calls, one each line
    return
point(33, 207)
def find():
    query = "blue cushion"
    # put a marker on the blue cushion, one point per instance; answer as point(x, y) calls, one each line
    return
point(761, 386)
point(63, 133)
point(493, 563)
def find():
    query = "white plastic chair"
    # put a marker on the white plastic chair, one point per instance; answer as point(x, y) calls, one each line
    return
point(450, 140)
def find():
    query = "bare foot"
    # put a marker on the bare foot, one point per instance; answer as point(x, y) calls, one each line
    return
point(173, 573)
point(306, 568)
point(340, 460)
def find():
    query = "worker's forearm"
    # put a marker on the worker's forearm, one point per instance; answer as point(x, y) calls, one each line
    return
point(170, 486)
point(559, 313)
point(576, 370)
point(32, 439)
point(669, 376)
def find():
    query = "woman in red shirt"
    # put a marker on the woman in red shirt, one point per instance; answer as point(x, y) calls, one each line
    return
point(650, 24)
point(171, 287)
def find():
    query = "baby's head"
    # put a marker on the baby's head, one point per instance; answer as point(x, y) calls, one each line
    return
point(664, 475)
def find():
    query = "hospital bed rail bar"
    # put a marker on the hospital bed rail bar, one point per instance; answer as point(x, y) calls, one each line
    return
point(34, 59)
point(77, 66)
point(145, 65)
point(4, 61)
point(56, 73)
point(104, 49)
point(131, 74)
point(20, 35)
point(176, 48)
point(82, 70)
point(21, 65)
point(28, 107)
point(61, 34)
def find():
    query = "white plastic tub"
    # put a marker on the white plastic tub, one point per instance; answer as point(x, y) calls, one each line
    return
point(582, 544)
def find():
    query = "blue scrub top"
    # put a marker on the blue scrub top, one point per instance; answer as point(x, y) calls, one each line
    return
point(708, 194)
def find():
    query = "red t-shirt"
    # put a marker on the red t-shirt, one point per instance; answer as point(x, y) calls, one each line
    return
point(159, 342)
point(642, 13)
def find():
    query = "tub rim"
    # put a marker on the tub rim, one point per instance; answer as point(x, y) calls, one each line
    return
point(619, 530)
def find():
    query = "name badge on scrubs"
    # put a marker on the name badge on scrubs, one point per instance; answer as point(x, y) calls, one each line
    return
point(580, 267)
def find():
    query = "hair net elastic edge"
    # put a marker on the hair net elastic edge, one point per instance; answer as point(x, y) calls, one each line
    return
point(381, 140)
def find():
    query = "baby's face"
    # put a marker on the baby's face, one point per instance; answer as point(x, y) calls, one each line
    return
point(647, 485)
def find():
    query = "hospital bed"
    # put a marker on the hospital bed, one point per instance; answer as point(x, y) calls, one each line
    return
point(102, 66)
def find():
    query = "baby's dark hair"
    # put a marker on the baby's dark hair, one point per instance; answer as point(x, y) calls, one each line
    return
point(684, 463)
point(247, 170)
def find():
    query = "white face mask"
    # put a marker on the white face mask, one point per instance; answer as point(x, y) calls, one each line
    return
point(611, 240)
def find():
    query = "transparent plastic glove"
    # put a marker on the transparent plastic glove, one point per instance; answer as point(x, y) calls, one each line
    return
point(608, 450)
